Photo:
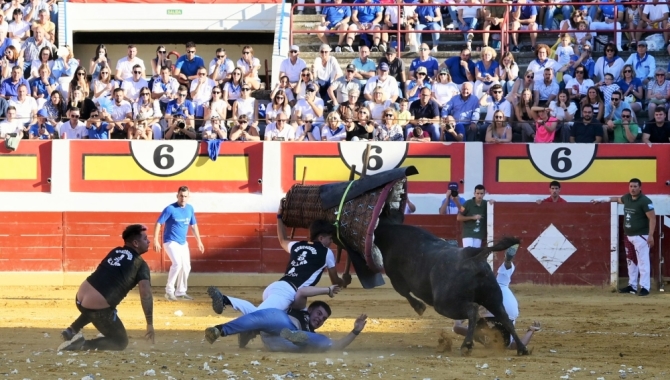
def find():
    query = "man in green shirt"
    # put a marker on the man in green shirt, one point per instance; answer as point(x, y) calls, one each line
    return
point(473, 216)
point(625, 130)
point(638, 226)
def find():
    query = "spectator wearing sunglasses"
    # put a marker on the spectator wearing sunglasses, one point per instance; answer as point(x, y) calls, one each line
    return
point(339, 90)
point(180, 107)
point(250, 66)
point(246, 105)
point(147, 113)
point(308, 108)
point(280, 130)
point(187, 65)
point(242, 131)
point(133, 85)
point(74, 128)
point(293, 66)
point(159, 61)
point(221, 67)
point(96, 127)
point(125, 65)
point(334, 129)
point(614, 109)
point(165, 88)
point(201, 91)
point(624, 130)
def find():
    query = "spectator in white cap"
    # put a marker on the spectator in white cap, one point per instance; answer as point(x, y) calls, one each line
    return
point(385, 81)
point(339, 90)
point(292, 66)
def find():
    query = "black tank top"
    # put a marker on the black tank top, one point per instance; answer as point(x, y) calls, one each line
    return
point(306, 265)
point(118, 273)
point(302, 316)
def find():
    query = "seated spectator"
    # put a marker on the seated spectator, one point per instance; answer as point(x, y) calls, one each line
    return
point(78, 100)
point(165, 88)
point(308, 130)
point(609, 63)
point(221, 67)
point(361, 129)
point(285, 86)
point(215, 107)
point(550, 11)
point(31, 10)
point(468, 16)
point(11, 85)
point(656, 130)
point(507, 72)
point(64, 68)
point(450, 130)
point(45, 23)
point(542, 62)
point(596, 102)
point(461, 68)
point(386, 82)
point(352, 104)
point(396, 67)
point(79, 80)
point(624, 130)
point(180, 129)
point(102, 85)
point(306, 78)
point(485, 72)
point(159, 61)
point(99, 61)
point(654, 16)
point(125, 65)
point(333, 18)
point(426, 114)
point(564, 111)
point(249, 65)
point(614, 109)
point(429, 18)
point(494, 101)
point(292, 66)
point(426, 61)
point(10, 59)
point(523, 18)
point(419, 135)
point(25, 105)
point(365, 67)
point(232, 90)
point(494, 19)
point(339, 90)
point(365, 17)
point(279, 104)
point(187, 66)
point(388, 129)
point(55, 108)
point(11, 126)
point(147, 115)
point(280, 130)
point(524, 116)
point(414, 86)
point(587, 130)
point(545, 125)
point(97, 129)
point(214, 129)
point(465, 110)
point(378, 105)
point(580, 84)
point(606, 9)
point(309, 108)
point(120, 117)
point(18, 29)
point(242, 131)
point(44, 59)
point(334, 129)
point(246, 105)
point(201, 91)
point(42, 130)
point(527, 82)
point(608, 87)
point(658, 92)
point(132, 86)
point(546, 90)
point(443, 88)
point(4, 27)
point(407, 19)
point(74, 128)
point(326, 71)
point(631, 87)
point(499, 130)
point(644, 63)
point(43, 86)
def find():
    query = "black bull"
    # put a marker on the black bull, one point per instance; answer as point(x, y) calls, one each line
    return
point(455, 281)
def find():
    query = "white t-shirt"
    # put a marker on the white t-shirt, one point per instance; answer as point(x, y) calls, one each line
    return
point(19, 29)
point(328, 72)
point(306, 110)
point(14, 126)
point(119, 112)
point(470, 11)
point(377, 110)
point(204, 92)
point(563, 54)
point(505, 106)
point(247, 107)
point(287, 133)
point(126, 67)
point(242, 64)
point(655, 11)
point(559, 113)
point(132, 88)
point(444, 92)
point(4, 28)
point(583, 88)
point(78, 132)
point(292, 71)
point(226, 68)
point(24, 109)
point(340, 134)
point(389, 86)
point(271, 113)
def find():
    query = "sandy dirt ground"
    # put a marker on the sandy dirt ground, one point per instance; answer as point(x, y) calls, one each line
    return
point(587, 333)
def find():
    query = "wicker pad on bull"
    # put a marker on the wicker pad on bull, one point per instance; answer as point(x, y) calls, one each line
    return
point(302, 206)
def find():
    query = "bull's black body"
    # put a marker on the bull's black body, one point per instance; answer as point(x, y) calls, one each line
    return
point(455, 281)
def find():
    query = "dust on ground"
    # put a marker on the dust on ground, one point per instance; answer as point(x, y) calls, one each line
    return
point(587, 333)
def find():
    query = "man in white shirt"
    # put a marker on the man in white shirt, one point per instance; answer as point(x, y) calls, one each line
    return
point(132, 86)
point(25, 106)
point(165, 88)
point(280, 130)
point(388, 83)
point(221, 67)
point(124, 67)
point(655, 16)
point(10, 125)
point(201, 91)
point(292, 66)
point(74, 128)
point(120, 118)
point(308, 108)
point(494, 102)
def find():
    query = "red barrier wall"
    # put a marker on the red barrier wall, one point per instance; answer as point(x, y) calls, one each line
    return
point(27, 168)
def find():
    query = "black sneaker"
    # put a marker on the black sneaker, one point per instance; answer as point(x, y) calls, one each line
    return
point(643, 292)
point(217, 299)
point(244, 338)
point(67, 334)
point(212, 334)
point(628, 289)
point(75, 344)
point(633, 45)
point(515, 49)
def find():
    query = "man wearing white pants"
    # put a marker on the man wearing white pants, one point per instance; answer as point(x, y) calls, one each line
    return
point(638, 226)
point(177, 217)
point(473, 216)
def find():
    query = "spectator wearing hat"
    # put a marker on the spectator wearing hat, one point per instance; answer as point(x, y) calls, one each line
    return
point(425, 114)
point(385, 81)
point(365, 67)
point(326, 70)
point(340, 89)
point(415, 86)
point(41, 130)
point(461, 68)
point(293, 65)
point(396, 67)
point(643, 62)
point(335, 18)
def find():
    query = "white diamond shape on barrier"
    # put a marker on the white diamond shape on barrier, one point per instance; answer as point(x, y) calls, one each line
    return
point(551, 249)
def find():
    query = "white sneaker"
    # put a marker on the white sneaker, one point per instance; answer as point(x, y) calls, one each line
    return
point(434, 49)
point(185, 297)
point(451, 26)
point(338, 49)
point(470, 37)
point(170, 297)
point(413, 48)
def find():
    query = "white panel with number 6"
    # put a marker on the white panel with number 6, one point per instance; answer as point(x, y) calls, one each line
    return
point(562, 161)
point(164, 158)
point(383, 156)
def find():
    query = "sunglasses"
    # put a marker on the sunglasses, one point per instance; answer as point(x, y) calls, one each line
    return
point(216, 92)
point(237, 73)
point(202, 74)
point(579, 72)
point(279, 97)
point(104, 72)
point(134, 72)
point(74, 116)
point(145, 93)
point(81, 74)
point(628, 71)
point(497, 92)
point(420, 74)
point(308, 121)
point(284, 121)
point(660, 75)
point(162, 52)
point(324, 51)
point(94, 115)
point(243, 122)
point(609, 50)
point(350, 71)
point(443, 74)
point(615, 99)
point(530, 76)
point(294, 51)
point(246, 89)
point(500, 118)
point(190, 51)
point(182, 95)
point(625, 116)
point(246, 52)
point(388, 115)
point(305, 75)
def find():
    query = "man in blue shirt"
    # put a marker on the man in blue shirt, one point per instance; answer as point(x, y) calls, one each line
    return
point(176, 218)
point(42, 130)
point(424, 60)
point(607, 11)
point(461, 68)
point(97, 129)
point(177, 110)
point(186, 67)
point(523, 18)
point(465, 110)
point(10, 86)
point(366, 16)
point(335, 18)
point(643, 63)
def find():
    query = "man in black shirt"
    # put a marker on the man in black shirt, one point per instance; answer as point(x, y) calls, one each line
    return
point(104, 289)
point(587, 131)
point(425, 114)
point(657, 131)
point(396, 68)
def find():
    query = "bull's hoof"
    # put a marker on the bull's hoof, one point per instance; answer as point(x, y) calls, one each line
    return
point(466, 349)
point(522, 351)
point(420, 308)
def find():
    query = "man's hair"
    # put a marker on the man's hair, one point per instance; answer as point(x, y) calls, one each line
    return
point(165, 68)
point(182, 189)
point(320, 227)
point(11, 108)
point(403, 100)
point(555, 183)
point(636, 180)
point(480, 187)
point(609, 75)
point(587, 106)
point(73, 109)
point(496, 86)
point(132, 46)
point(660, 109)
point(618, 92)
point(190, 44)
point(137, 67)
point(132, 232)
point(220, 50)
point(182, 88)
point(322, 304)
point(118, 89)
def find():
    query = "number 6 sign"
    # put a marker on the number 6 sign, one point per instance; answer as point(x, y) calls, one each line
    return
point(164, 158)
point(562, 161)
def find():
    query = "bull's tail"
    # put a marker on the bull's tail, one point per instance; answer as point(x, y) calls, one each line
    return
point(502, 245)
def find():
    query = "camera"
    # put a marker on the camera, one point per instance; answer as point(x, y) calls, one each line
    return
point(181, 124)
point(453, 187)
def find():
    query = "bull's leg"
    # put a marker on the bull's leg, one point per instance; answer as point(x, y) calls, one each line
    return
point(403, 289)
point(473, 314)
point(501, 316)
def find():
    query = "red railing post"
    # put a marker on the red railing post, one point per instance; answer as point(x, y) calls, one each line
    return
point(398, 44)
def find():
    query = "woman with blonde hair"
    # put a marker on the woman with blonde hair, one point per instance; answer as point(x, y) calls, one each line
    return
point(64, 68)
point(631, 86)
point(524, 116)
point(388, 129)
point(333, 129)
point(378, 105)
point(443, 88)
point(103, 85)
point(147, 114)
point(249, 66)
point(527, 82)
point(43, 85)
point(486, 72)
point(507, 72)
point(498, 131)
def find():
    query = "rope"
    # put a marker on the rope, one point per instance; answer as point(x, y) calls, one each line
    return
point(339, 210)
